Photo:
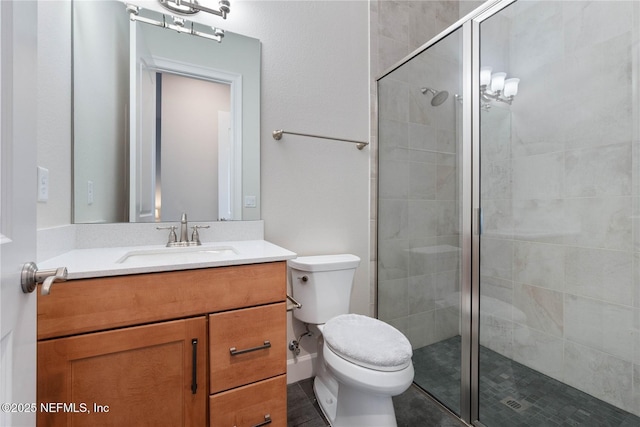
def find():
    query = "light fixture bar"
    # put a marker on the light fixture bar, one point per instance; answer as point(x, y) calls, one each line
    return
point(179, 25)
point(188, 7)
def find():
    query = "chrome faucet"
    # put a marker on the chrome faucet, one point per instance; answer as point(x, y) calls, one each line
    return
point(184, 229)
point(184, 235)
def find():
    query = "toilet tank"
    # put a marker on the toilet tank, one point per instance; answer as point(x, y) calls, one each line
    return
point(322, 284)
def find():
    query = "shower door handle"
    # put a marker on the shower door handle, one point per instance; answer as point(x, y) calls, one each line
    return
point(478, 221)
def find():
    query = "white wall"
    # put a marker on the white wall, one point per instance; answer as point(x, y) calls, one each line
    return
point(315, 79)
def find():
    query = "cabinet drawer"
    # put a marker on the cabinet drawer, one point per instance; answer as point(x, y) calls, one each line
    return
point(246, 331)
point(87, 305)
point(251, 405)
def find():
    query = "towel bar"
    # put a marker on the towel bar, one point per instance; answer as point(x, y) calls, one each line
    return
point(277, 135)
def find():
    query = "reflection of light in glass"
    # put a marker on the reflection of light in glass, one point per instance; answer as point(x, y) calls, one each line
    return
point(485, 75)
point(511, 87)
point(497, 82)
point(496, 87)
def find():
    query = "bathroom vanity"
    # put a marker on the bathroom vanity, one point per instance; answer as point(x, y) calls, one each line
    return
point(185, 347)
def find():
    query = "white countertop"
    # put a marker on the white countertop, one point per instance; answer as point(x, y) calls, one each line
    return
point(101, 262)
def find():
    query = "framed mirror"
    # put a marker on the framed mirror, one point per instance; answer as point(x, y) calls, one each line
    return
point(163, 122)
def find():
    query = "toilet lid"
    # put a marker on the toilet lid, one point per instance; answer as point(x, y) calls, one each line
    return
point(368, 342)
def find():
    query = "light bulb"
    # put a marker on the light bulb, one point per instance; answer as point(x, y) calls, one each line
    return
point(497, 81)
point(485, 76)
point(511, 87)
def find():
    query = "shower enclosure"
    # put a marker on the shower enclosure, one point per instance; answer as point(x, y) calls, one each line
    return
point(508, 204)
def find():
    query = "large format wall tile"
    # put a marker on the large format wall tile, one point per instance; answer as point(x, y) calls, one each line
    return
point(600, 374)
point(539, 264)
point(540, 220)
point(543, 308)
point(538, 177)
point(599, 325)
point(590, 273)
point(393, 216)
point(496, 178)
point(497, 334)
point(394, 292)
point(584, 24)
point(599, 222)
point(538, 350)
point(393, 259)
point(599, 171)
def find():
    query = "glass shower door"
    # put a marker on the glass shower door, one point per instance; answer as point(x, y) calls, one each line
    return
point(559, 191)
point(419, 212)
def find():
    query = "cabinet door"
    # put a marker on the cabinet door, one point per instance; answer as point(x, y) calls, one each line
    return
point(247, 345)
point(153, 375)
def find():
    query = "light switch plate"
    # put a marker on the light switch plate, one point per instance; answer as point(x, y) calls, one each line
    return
point(89, 192)
point(249, 201)
point(43, 184)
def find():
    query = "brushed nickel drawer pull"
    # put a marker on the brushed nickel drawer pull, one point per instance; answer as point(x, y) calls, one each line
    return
point(194, 366)
point(267, 420)
point(235, 352)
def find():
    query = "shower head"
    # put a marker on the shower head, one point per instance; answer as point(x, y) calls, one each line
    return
point(438, 96)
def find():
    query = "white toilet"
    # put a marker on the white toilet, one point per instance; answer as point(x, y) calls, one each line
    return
point(362, 361)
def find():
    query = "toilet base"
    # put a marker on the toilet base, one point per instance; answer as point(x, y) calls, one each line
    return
point(355, 408)
point(326, 399)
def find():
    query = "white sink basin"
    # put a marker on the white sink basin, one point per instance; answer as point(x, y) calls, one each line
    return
point(178, 255)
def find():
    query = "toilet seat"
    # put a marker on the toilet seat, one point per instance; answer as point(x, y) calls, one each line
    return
point(367, 342)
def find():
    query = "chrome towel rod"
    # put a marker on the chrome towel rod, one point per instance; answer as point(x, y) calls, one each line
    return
point(277, 135)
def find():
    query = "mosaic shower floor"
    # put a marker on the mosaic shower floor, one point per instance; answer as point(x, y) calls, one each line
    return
point(510, 393)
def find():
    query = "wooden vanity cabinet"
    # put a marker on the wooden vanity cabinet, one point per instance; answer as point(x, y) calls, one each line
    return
point(150, 375)
point(157, 349)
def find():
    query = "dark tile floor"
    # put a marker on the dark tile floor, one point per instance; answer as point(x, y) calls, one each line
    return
point(536, 400)
point(413, 409)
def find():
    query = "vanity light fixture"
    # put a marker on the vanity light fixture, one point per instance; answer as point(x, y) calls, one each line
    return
point(496, 87)
point(187, 7)
point(176, 23)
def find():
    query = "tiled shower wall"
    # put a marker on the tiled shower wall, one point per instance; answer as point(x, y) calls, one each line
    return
point(560, 184)
point(398, 28)
point(418, 196)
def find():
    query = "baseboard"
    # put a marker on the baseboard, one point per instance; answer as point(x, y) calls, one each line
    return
point(301, 368)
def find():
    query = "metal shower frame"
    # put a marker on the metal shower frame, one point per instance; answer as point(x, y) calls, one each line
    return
point(470, 197)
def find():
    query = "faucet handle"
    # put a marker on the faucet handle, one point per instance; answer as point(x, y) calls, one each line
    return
point(195, 237)
point(172, 234)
